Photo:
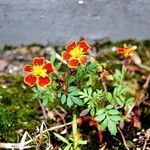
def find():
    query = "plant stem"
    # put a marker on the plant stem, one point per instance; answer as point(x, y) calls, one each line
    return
point(61, 79)
point(43, 109)
point(104, 86)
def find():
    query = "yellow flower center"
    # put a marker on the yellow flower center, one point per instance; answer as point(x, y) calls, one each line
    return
point(77, 53)
point(39, 71)
point(129, 50)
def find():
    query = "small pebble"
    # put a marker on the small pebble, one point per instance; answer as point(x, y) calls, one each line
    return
point(140, 137)
point(113, 49)
point(138, 133)
point(10, 71)
point(134, 140)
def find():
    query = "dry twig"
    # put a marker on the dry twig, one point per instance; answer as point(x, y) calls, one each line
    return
point(123, 138)
point(26, 146)
point(141, 96)
point(43, 109)
point(147, 135)
point(50, 50)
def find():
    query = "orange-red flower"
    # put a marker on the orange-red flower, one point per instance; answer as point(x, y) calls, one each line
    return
point(75, 53)
point(126, 51)
point(38, 73)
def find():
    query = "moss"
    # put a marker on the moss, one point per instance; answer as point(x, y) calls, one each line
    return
point(16, 108)
point(109, 44)
point(146, 43)
point(9, 47)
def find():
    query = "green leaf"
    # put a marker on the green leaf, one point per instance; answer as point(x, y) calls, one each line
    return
point(74, 93)
point(117, 75)
point(77, 101)
point(119, 89)
point(90, 91)
point(59, 94)
point(52, 57)
point(86, 99)
point(118, 72)
point(89, 82)
point(118, 78)
point(115, 92)
point(109, 96)
point(45, 101)
point(61, 138)
point(118, 101)
point(74, 126)
point(68, 147)
point(92, 111)
point(57, 66)
point(72, 89)
point(100, 118)
point(103, 125)
point(82, 94)
point(69, 101)
point(63, 98)
point(35, 90)
point(115, 118)
point(113, 112)
point(130, 100)
point(124, 90)
point(109, 106)
point(71, 79)
point(122, 98)
point(112, 127)
point(101, 111)
point(85, 91)
point(82, 142)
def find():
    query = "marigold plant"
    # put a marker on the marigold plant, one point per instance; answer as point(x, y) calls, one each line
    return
point(84, 85)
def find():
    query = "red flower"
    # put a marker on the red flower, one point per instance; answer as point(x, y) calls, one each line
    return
point(38, 73)
point(75, 54)
point(126, 51)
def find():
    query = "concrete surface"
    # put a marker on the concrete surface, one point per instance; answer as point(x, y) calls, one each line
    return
point(58, 21)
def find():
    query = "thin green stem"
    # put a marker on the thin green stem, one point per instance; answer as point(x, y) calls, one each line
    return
point(104, 86)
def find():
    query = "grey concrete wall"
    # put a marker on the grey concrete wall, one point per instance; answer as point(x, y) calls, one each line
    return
point(57, 21)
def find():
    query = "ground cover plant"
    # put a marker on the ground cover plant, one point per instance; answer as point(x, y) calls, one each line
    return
point(96, 96)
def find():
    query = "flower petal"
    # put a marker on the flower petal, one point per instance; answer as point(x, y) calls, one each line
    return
point(38, 61)
point(133, 48)
point(27, 68)
point(30, 79)
point(82, 60)
point(48, 67)
point(121, 50)
point(65, 55)
point(71, 46)
point(43, 81)
point(73, 63)
point(84, 45)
